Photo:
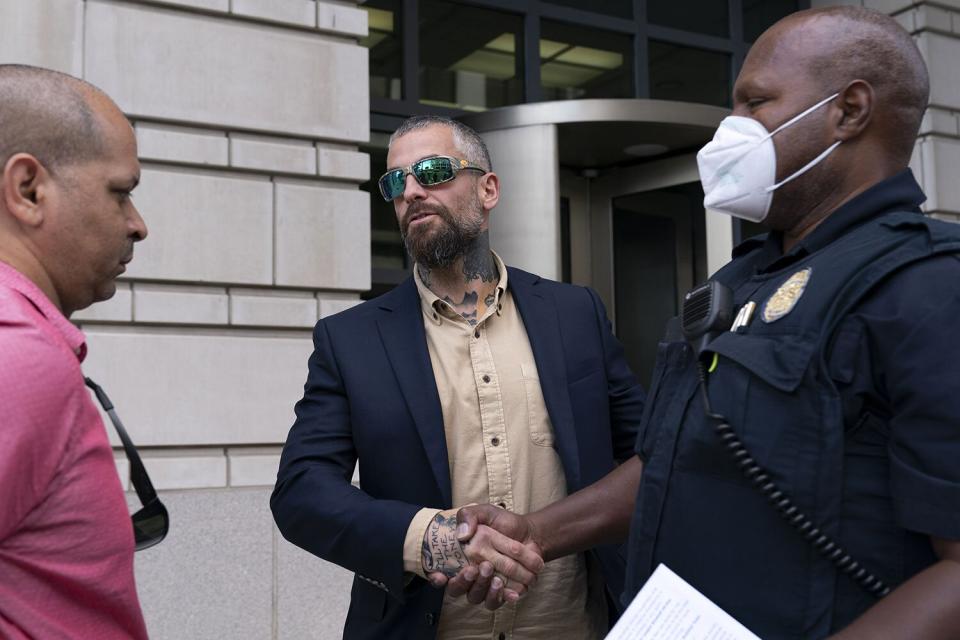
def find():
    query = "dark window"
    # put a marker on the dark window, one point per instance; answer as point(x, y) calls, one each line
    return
point(468, 56)
point(758, 15)
point(388, 253)
point(616, 8)
point(584, 63)
point(688, 74)
point(386, 54)
point(711, 18)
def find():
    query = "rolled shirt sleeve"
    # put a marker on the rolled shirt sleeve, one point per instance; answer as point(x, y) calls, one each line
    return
point(413, 543)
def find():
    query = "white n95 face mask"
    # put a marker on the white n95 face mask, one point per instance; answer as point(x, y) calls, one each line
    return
point(738, 168)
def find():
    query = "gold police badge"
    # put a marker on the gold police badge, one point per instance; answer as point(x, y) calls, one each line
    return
point(785, 298)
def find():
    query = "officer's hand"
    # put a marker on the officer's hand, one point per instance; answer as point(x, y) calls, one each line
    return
point(468, 566)
point(480, 586)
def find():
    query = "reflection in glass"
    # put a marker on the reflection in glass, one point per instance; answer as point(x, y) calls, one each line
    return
point(386, 60)
point(584, 63)
point(617, 8)
point(711, 18)
point(758, 15)
point(468, 56)
point(688, 74)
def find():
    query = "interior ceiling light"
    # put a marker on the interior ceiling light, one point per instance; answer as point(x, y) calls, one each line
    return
point(379, 19)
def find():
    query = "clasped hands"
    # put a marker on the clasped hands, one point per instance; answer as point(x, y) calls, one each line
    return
point(485, 553)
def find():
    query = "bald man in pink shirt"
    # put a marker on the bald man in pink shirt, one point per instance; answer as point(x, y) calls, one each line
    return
point(68, 158)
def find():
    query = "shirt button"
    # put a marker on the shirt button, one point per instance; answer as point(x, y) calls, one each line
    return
point(486, 378)
point(430, 619)
point(476, 334)
point(495, 441)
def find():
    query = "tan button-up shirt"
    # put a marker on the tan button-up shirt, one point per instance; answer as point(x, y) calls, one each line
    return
point(500, 449)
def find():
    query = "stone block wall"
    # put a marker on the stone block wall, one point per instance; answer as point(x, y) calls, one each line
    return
point(248, 116)
point(936, 28)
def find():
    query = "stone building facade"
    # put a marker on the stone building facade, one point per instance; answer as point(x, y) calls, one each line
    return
point(249, 115)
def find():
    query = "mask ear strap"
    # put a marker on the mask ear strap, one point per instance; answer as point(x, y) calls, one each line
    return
point(802, 114)
point(806, 167)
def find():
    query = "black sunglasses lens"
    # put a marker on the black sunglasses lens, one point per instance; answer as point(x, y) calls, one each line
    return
point(150, 524)
point(391, 184)
point(432, 171)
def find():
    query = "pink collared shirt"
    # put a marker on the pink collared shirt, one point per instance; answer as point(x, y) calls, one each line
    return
point(66, 542)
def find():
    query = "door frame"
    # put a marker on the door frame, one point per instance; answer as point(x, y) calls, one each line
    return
point(626, 181)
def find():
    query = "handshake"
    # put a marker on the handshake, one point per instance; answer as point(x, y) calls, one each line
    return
point(485, 553)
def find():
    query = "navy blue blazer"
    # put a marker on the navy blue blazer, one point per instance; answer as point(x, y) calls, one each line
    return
point(371, 395)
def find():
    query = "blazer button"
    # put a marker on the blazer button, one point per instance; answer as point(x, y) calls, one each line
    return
point(430, 619)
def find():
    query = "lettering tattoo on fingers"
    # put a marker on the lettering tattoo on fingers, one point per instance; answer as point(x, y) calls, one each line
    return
point(441, 550)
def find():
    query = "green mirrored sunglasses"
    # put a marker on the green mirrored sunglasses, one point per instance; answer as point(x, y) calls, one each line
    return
point(428, 172)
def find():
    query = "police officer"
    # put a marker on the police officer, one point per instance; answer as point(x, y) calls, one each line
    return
point(837, 382)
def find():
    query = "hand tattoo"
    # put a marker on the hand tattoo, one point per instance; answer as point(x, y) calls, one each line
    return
point(441, 550)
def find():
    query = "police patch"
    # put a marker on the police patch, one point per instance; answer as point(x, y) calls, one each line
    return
point(785, 298)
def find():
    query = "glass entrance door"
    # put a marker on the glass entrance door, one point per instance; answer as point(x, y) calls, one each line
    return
point(658, 239)
point(649, 248)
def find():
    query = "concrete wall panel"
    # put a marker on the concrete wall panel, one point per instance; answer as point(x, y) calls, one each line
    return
point(264, 308)
point(941, 53)
point(312, 595)
point(299, 12)
point(253, 466)
point(341, 19)
point(57, 24)
point(272, 154)
point(186, 468)
point(178, 144)
point(205, 227)
point(196, 387)
point(213, 575)
point(940, 157)
point(323, 237)
point(346, 165)
point(184, 305)
point(251, 76)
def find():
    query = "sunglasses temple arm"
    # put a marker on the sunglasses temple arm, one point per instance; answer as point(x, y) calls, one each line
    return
point(138, 474)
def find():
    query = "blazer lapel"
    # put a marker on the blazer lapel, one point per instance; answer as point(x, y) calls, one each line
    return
point(542, 321)
point(405, 341)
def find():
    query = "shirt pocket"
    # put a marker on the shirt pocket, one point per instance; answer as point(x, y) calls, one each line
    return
point(538, 421)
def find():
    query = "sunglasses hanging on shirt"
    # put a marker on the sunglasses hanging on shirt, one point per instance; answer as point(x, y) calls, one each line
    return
point(151, 522)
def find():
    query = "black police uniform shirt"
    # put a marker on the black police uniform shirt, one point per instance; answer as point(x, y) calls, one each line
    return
point(892, 481)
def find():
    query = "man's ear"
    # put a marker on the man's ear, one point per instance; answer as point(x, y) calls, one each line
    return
point(24, 182)
point(489, 189)
point(856, 103)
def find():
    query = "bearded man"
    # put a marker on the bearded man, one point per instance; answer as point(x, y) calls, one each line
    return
point(471, 382)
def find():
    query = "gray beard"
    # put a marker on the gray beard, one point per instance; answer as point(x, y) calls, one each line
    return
point(442, 248)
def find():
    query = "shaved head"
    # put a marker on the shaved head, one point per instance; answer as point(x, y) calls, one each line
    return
point(49, 115)
point(842, 44)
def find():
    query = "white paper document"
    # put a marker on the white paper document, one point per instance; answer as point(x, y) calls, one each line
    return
point(667, 608)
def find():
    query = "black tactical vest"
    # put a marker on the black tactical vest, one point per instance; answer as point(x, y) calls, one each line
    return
point(695, 511)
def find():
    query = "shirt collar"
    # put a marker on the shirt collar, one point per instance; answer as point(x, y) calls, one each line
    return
point(431, 304)
point(13, 279)
point(899, 192)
